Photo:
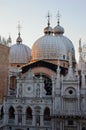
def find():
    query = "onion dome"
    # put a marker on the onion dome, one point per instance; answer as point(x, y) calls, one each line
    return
point(58, 29)
point(48, 30)
point(19, 53)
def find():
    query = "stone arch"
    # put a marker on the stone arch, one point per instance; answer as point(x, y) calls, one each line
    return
point(28, 113)
point(11, 112)
point(47, 114)
point(45, 70)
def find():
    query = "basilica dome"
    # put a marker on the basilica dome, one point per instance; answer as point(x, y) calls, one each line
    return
point(53, 45)
point(19, 53)
point(48, 47)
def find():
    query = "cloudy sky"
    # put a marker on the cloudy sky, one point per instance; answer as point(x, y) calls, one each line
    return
point(32, 16)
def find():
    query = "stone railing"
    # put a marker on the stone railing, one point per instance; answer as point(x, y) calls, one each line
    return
point(11, 121)
point(29, 122)
point(47, 123)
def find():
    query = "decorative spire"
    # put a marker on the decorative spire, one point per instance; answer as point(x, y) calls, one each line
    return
point(70, 59)
point(9, 40)
point(80, 55)
point(58, 18)
point(19, 40)
point(70, 75)
point(58, 69)
point(0, 38)
point(80, 49)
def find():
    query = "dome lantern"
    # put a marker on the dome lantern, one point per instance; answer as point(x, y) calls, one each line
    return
point(19, 39)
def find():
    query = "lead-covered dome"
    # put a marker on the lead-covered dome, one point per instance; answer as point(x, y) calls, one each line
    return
point(19, 53)
point(48, 47)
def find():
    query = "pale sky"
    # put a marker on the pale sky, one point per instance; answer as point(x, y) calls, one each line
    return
point(32, 16)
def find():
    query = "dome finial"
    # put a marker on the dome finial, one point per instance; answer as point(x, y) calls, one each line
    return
point(58, 18)
point(48, 30)
point(48, 16)
point(19, 27)
point(19, 40)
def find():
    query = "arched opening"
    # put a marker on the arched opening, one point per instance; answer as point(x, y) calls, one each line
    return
point(13, 82)
point(11, 113)
point(47, 114)
point(47, 83)
point(2, 113)
point(28, 113)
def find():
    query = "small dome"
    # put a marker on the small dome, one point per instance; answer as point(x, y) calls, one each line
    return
point(48, 47)
point(19, 53)
point(48, 30)
point(58, 30)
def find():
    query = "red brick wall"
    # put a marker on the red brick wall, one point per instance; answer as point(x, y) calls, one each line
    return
point(4, 51)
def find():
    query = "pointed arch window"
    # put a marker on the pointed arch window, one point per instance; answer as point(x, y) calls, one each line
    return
point(11, 113)
point(47, 114)
point(28, 113)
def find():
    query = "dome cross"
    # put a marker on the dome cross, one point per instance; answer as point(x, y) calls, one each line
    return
point(19, 27)
point(48, 17)
point(58, 18)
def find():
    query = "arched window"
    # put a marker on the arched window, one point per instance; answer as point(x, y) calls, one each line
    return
point(28, 113)
point(13, 82)
point(11, 113)
point(2, 113)
point(47, 114)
